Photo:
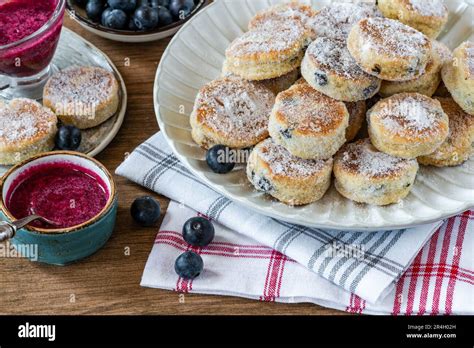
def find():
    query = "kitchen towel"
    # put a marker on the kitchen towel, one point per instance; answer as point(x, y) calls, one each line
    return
point(439, 281)
point(362, 263)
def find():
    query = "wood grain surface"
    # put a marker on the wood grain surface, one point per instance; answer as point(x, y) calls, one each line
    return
point(108, 282)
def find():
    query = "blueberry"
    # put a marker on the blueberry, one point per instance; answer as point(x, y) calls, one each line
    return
point(131, 25)
point(143, 3)
point(189, 265)
point(105, 14)
point(217, 161)
point(124, 5)
point(321, 78)
point(164, 16)
point(369, 91)
point(116, 19)
point(264, 185)
point(376, 69)
point(180, 9)
point(146, 211)
point(145, 18)
point(81, 3)
point(198, 231)
point(94, 9)
point(68, 138)
point(156, 3)
point(286, 133)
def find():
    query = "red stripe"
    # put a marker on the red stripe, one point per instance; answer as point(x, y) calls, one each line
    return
point(458, 277)
point(217, 243)
point(274, 277)
point(412, 285)
point(434, 266)
point(223, 254)
point(444, 255)
point(213, 247)
point(356, 304)
point(451, 272)
point(270, 285)
point(358, 307)
point(239, 251)
point(181, 285)
point(348, 308)
point(280, 276)
point(204, 216)
point(397, 302)
point(267, 277)
point(454, 269)
point(427, 274)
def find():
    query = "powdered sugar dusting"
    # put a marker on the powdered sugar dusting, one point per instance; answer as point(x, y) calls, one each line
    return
point(470, 57)
point(304, 109)
point(85, 85)
point(275, 36)
point(363, 158)
point(22, 120)
point(441, 53)
point(412, 114)
point(282, 162)
point(429, 7)
point(293, 10)
point(337, 19)
point(333, 55)
point(393, 37)
point(461, 124)
point(236, 107)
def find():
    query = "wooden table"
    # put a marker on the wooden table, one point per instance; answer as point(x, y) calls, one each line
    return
point(109, 281)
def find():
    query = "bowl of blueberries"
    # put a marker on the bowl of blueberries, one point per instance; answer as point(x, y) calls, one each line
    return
point(133, 20)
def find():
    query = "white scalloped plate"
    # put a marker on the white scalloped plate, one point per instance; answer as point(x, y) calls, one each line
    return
point(194, 57)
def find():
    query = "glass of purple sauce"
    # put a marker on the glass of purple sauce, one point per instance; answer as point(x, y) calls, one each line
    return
point(29, 35)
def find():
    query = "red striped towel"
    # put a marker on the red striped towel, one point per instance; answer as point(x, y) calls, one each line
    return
point(439, 281)
point(261, 258)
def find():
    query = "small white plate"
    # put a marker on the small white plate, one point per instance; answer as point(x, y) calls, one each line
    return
point(74, 50)
point(79, 15)
point(194, 57)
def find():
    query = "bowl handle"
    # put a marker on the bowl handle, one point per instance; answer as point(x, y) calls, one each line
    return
point(7, 231)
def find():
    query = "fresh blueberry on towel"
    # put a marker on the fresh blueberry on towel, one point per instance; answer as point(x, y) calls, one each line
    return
point(198, 231)
point(189, 265)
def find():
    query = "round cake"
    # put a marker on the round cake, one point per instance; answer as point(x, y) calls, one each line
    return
point(307, 123)
point(366, 175)
point(389, 49)
point(407, 125)
point(26, 129)
point(231, 111)
point(290, 179)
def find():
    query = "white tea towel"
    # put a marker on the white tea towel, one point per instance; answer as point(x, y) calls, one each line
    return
point(384, 257)
point(440, 280)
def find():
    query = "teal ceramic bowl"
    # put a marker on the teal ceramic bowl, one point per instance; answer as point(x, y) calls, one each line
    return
point(63, 246)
